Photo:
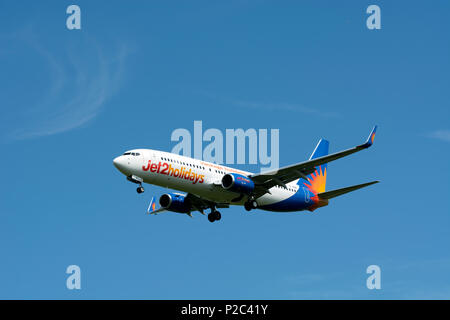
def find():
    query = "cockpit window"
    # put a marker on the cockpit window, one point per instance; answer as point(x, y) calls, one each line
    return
point(132, 154)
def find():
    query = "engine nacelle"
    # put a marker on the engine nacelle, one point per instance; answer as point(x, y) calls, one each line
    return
point(238, 183)
point(175, 202)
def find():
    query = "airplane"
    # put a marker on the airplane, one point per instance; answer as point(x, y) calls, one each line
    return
point(207, 185)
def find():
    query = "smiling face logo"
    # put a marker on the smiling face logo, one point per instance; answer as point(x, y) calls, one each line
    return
point(317, 180)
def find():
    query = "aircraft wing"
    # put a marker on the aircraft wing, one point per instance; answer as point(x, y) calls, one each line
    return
point(267, 180)
point(197, 204)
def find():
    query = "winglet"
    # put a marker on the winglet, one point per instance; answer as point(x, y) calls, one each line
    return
point(151, 206)
point(371, 138)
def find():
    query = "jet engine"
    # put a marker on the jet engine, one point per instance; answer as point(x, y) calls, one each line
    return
point(175, 202)
point(238, 183)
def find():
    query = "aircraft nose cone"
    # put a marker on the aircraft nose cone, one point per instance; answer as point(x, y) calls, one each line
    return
point(118, 163)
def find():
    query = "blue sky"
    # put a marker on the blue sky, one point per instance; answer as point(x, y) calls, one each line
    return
point(73, 100)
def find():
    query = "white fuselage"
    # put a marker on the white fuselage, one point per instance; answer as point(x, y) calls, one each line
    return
point(195, 176)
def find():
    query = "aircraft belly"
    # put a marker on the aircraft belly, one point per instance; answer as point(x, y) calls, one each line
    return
point(283, 202)
point(275, 197)
point(279, 200)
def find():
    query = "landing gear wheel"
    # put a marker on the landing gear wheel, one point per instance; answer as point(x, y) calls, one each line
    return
point(253, 204)
point(247, 206)
point(140, 189)
point(214, 216)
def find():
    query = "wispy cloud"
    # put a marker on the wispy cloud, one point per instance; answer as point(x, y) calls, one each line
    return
point(412, 279)
point(79, 87)
point(285, 107)
point(430, 284)
point(272, 106)
point(301, 279)
point(443, 135)
point(321, 286)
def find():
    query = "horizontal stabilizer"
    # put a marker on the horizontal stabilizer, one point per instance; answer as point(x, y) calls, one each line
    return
point(339, 192)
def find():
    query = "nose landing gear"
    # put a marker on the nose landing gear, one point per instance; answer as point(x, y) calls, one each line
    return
point(140, 189)
point(137, 180)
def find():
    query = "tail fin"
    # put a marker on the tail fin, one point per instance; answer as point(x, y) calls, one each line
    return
point(317, 180)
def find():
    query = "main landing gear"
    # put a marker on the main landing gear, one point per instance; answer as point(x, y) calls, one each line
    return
point(250, 204)
point(214, 215)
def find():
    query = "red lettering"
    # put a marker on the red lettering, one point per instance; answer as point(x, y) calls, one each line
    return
point(165, 168)
point(196, 179)
point(170, 173)
point(187, 174)
point(148, 166)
